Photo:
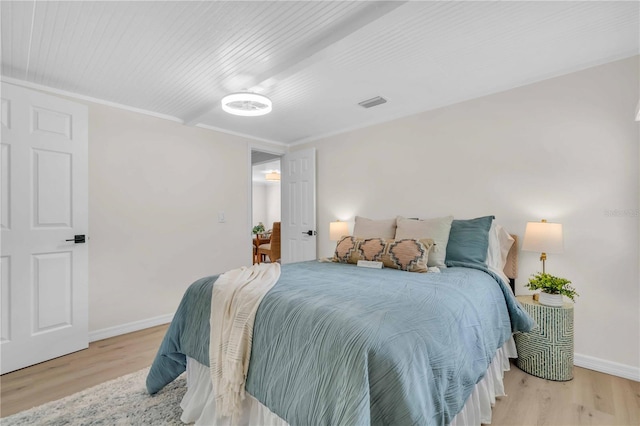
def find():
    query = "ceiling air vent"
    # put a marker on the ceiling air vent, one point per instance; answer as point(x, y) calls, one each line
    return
point(372, 102)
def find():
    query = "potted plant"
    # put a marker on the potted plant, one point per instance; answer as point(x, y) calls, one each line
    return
point(259, 228)
point(553, 288)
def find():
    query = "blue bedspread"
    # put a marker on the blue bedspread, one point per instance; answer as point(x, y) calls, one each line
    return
point(337, 344)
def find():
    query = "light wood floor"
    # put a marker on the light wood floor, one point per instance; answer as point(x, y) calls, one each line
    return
point(591, 398)
point(102, 361)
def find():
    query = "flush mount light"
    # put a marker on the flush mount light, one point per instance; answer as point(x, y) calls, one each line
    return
point(273, 176)
point(247, 104)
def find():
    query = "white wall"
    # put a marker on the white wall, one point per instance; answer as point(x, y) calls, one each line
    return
point(273, 200)
point(155, 190)
point(266, 203)
point(259, 204)
point(565, 149)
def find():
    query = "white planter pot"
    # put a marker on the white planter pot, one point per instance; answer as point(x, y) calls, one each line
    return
point(551, 299)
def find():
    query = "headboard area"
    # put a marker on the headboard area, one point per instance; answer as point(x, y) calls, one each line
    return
point(511, 268)
point(439, 229)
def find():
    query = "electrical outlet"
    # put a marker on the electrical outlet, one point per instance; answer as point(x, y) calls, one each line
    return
point(221, 218)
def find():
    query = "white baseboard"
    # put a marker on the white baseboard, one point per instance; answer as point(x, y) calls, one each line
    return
point(130, 327)
point(608, 367)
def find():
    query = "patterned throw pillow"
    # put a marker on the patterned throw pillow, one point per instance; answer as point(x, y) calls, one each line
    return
point(346, 248)
point(372, 249)
point(407, 254)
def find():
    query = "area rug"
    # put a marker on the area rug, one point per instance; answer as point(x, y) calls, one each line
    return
point(123, 401)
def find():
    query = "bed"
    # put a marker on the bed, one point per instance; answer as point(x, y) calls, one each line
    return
point(334, 343)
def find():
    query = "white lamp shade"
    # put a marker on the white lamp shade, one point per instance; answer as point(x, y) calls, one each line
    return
point(543, 237)
point(338, 230)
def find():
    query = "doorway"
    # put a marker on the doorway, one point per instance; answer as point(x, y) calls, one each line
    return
point(265, 199)
point(297, 200)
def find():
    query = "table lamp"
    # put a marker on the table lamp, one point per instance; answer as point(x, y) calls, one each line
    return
point(543, 237)
point(338, 230)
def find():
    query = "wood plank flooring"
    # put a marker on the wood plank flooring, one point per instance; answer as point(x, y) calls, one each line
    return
point(104, 360)
point(591, 398)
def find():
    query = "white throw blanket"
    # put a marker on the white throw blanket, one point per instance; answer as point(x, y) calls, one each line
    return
point(235, 299)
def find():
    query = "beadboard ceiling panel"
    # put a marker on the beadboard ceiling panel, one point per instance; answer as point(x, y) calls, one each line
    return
point(316, 60)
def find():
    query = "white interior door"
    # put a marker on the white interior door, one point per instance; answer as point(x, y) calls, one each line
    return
point(299, 206)
point(44, 297)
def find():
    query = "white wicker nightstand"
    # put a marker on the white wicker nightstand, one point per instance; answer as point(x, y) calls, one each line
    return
point(547, 351)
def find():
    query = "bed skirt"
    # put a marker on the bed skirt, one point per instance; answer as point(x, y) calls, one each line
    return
point(198, 404)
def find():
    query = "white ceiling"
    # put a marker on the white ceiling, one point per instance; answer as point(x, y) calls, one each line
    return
point(315, 59)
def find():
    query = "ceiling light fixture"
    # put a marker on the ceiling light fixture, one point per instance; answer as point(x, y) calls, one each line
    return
point(246, 104)
point(273, 176)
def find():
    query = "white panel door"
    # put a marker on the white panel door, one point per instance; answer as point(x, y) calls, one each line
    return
point(44, 287)
point(299, 206)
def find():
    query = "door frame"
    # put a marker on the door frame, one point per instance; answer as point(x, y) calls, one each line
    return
point(274, 150)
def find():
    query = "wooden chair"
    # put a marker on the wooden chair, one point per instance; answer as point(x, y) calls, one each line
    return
point(271, 249)
point(258, 240)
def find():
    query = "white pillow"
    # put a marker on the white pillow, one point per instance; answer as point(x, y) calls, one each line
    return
point(500, 243)
point(368, 228)
point(437, 229)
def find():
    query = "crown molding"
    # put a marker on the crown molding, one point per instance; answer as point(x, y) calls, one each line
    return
point(35, 86)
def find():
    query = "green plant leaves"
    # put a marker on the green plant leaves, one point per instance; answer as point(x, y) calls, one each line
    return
point(552, 285)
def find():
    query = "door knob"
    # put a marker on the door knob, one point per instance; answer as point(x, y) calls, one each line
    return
point(78, 239)
point(310, 232)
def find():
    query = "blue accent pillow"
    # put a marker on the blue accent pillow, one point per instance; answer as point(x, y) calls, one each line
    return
point(468, 242)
